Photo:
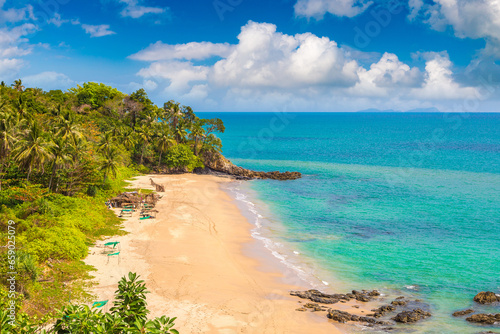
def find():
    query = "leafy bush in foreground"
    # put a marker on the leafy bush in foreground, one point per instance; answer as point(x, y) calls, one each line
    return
point(128, 315)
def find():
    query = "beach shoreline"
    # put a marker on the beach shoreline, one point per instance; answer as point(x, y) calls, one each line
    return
point(195, 261)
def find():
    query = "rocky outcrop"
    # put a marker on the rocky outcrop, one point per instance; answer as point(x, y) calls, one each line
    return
point(462, 313)
point(343, 317)
point(313, 307)
point(486, 319)
point(382, 310)
point(400, 301)
point(411, 316)
point(486, 297)
point(216, 162)
point(320, 297)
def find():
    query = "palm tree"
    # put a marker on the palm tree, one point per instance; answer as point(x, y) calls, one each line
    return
point(18, 85)
point(127, 138)
point(180, 131)
point(21, 106)
point(197, 133)
point(163, 142)
point(106, 142)
point(8, 131)
point(110, 164)
point(67, 128)
point(34, 150)
point(174, 113)
point(60, 155)
point(143, 135)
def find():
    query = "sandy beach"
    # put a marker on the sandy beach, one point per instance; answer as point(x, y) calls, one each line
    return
point(191, 257)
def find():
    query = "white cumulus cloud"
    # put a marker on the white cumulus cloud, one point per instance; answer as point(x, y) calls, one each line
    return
point(387, 75)
point(49, 80)
point(189, 51)
point(318, 8)
point(13, 45)
point(135, 10)
point(439, 82)
point(266, 58)
point(270, 70)
point(468, 18)
point(57, 20)
point(15, 14)
point(98, 30)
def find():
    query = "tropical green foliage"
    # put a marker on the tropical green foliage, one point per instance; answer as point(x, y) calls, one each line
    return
point(181, 156)
point(128, 315)
point(62, 154)
point(94, 94)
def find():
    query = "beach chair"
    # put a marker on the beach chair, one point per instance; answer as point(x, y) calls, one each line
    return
point(99, 304)
point(148, 206)
point(145, 217)
point(126, 212)
point(117, 254)
point(111, 243)
point(149, 212)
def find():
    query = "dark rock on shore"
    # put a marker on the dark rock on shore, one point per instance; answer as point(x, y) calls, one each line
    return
point(382, 310)
point(486, 319)
point(320, 297)
point(400, 301)
point(462, 313)
point(411, 316)
point(313, 307)
point(343, 317)
point(216, 162)
point(486, 297)
point(317, 296)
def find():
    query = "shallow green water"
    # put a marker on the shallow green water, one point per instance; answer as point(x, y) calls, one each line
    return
point(382, 202)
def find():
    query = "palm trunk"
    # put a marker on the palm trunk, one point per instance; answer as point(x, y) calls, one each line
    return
point(1, 171)
point(1, 175)
point(196, 146)
point(159, 160)
point(54, 168)
point(29, 172)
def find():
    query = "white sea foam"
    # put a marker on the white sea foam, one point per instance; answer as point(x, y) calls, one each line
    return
point(277, 249)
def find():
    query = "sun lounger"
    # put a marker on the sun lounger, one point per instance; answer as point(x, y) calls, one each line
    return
point(125, 212)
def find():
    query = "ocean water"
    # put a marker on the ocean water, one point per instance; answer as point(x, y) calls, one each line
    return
point(405, 203)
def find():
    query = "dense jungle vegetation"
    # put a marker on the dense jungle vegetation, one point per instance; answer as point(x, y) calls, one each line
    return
point(62, 154)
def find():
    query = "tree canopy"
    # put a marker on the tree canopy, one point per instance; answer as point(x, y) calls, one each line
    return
point(62, 153)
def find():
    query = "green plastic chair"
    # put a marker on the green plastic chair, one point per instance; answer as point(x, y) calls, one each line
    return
point(99, 304)
point(112, 243)
point(147, 217)
point(113, 254)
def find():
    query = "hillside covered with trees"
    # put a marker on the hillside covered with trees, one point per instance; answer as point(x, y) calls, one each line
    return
point(62, 154)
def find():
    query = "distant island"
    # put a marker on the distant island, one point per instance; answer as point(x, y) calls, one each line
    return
point(418, 110)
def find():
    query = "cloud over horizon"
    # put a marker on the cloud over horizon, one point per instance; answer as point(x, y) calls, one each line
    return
point(268, 65)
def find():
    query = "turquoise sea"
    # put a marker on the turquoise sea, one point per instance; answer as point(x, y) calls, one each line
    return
point(405, 203)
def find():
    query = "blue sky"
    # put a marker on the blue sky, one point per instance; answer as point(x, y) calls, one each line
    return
point(253, 55)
